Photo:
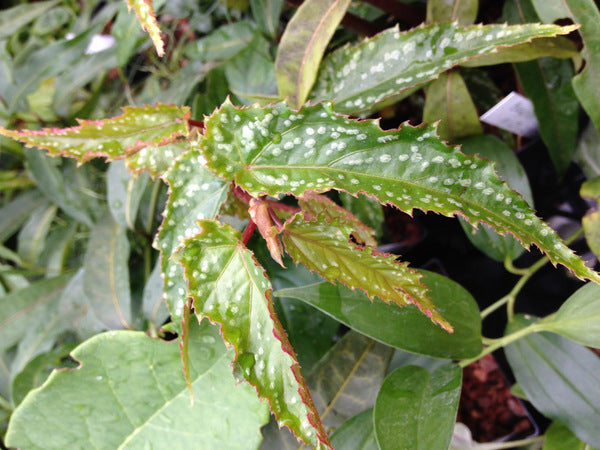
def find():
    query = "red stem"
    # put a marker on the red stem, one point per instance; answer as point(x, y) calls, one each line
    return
point(196, 123)
point(247, 233)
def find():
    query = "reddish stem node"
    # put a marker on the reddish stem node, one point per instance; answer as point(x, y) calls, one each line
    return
point(196, 123)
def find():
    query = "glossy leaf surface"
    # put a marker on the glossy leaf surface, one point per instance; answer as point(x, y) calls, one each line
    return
point(302, 46)
point(274, 150)
point(405, 327)
point(145, 13)
point(394, 62)
point(356, 433)
point(543, 360)
point(136, 128)
point(229, 287)
point(129, 392)
point(416, 408)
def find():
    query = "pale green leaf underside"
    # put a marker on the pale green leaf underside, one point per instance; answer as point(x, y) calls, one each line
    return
point(275, 150)
point(113, 138)
point(328, 250)
point(380, 69)
point(229, 287)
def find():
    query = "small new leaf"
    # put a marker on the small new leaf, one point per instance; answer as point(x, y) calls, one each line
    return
point(259, 213)
point(115, 138)
point(229, 287)
point(145, 13)
point(327, 249)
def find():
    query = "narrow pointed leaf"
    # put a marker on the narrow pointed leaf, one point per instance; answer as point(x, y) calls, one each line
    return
point(328, 250)
point(303, 44)
point(393, 62)
point(113, 138)
point(229, 287)
point(145, 13)
point(416, 408)
point(129, 393)
point(274, 150)
point(194, 194)
point(16, 212)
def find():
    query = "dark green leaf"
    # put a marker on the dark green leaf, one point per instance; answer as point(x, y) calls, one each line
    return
point(405, 327)
point(416, 408)
point(129, 392)
point(356, 433)
point(559, 377)
point(303, 44)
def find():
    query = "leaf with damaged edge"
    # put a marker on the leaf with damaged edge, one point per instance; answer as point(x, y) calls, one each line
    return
point(302, 46)
point(113, 138)
point(228, 286)
point(275, 150)
point(327, 249)
point(393, 62)
point(145, 13)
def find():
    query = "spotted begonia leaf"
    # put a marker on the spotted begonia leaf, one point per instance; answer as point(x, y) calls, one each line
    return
point(315, 205)
point(115, 138)
point(326, 248)
point(393, 62)
point(229, 287)
point(194, 193)
point(275, 150)
point(145, 13)
point(157, 159)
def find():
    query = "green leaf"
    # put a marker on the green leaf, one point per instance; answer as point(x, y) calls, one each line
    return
point(463, 11)
point(126, 31)
point(346, 380)
point(154, 307)
point(579, 317)
point(106, 274)
point(194, 193)
point(229, 287)
point(356, 433)
point(129, 392)
point(448, 100)
point(484, 237)
point(545, 364)
point(274, 150)
point(266, 14)
point(586, 82)
point(32, 237)
point(550, 10)
point(113, 138)
point(145, 13)
point(547, 83)
point(368, 211)
point(303, 44)
point(156, 159)
point(416, 408)
point(17, 211)
point(559, 437)
point(124, 192)
point(405, 327)
point(591, 227)
point(327, 249)
point(587, 154)
point(393, 62)
point(12, 19)
point(224, 42)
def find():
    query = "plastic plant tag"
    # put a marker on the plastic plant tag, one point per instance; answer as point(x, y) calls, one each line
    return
point(513, 113)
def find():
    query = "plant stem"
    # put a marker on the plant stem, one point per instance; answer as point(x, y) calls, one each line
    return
point(510, 444)
point(495, 344)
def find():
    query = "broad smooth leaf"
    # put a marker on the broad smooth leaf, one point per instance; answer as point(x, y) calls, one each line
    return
point(448, 100)
point(113, 138)
point(346, 380)
point(462, 11)
point(416, 408)
point(32, 237)
point(194, 194)
point(550, 10)
point(547, 83)
point(303, 44)
point(124, 192)
point(106, 274)
point(559, 437)
point(224, 42)
point(586, 83)
point(356, 433)
point(579, 317)
point(405, 327)
point(274, 150)
point(327, 249)
point(393, 62)
point(129, 393)
point(145, 13)
point(266, 14)
point(229, 287)
point(12, 19)
point(17, 211)
point(559, 377)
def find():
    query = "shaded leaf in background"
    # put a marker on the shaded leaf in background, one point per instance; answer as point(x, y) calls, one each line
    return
point(484, 237)
point(302, 46)
point(357, 433)
point(106, 274)
point(145, 13)
point(12, 19)
point(541, 360)
point(368, 211)
point(132, 389)
point(448, 100)
point(346, 380)
point(391, 63)
point(224, 42)
point(273, 150)
point(17, 211)
point(124, 192)
point(462, 11)
point(126, 31)
point(587, 153)
point(405, 327)
point(154, 307)
point(266, 14)
point(31, 239)
point(559, 437)
point(416, 408)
